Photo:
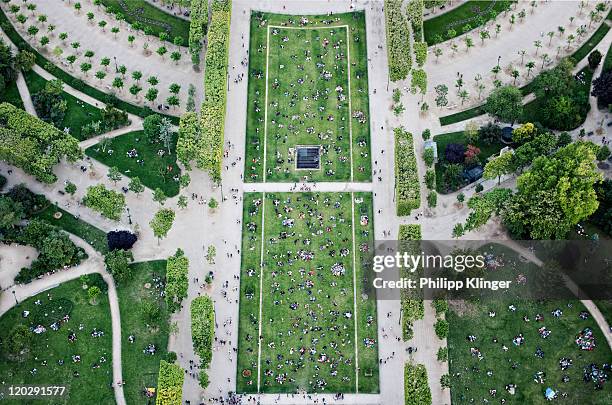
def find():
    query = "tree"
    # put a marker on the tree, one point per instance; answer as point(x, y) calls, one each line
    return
point(153, 80)
point(85, 67)
point(33, 30)
point(505, 103)
point(115, 31)
point(458, 231)
point(460, 198)
point(555, 194)
point(166, 136)
point(63, 36)
point(44, 41)
point(152, 94)
point(159, 196)
point(212, 203)
point(25, 60)
point(135, 89)
point(432, 199)
point(19, 339)
point(100, 75)
point(463, 95)
point(123, 70)
point(11, 213)
point(437, 53)
point(173, 101)
point(93, 293)
point(441, 93)
point(161, 223)
point(174, 88)
point(471, 132)
point(131, 39)
point(161, 51)
point(530, 65)
point(118, 264)
point(137, 75)
point(454, 153)
point(108, 202)
point(175, 56)
point(114, 174)
point(136, 185)
point(70, 188)
point(538, 45)
point(498, 166)
point(602, 88)
point(603, 153)
point(118, 83)
point(445, 381)
point(89, 54)
point(594, 59)
point(102, 24)
point(105, 61)
point(515, 74)
point(182, 202)
point(524, 133)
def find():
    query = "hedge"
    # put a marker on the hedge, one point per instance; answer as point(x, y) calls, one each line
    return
point(197, 26)
point(109, 203)
point(34, 145)
point(169, 384)
point(203, 328)
point(420, 53)
point(414, 10)
point(406, 175)
point(398, 41)
point(177, 282)
point(204, 142)
point(416, 388)
point(73, 82)
point(412, 304)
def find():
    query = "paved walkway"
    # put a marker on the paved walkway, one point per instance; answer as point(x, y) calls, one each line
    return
point(94, 264)
point(24, 92)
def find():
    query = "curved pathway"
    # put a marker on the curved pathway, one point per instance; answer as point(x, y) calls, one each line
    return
point(94, 264)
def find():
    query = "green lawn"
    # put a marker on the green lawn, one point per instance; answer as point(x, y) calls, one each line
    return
point(78, 113)
point(10, 94)
point(139, 369)
point(74, 82)
point(303, 293)
point(90, 385)
point(151, 16)
point(309, 98)
point(153, 173)
point(589, 45)
point(69, 223)
point(457, 18)
point(470, 382)
point(462, 115)
point(608, 60)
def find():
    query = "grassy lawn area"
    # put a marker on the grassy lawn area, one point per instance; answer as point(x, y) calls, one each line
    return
point(457, 18)
point(151, 16)
point(78, 113)
point(443, 140)
point(470, 381)
point(462, 115)
point(531, 110)
point(309, 99)
point(69, 223)
point(608, 60)
point(588, 46)
point(84, 383)
point(141, 369)
point(74, 82)
point(309, 292)
point(153, 172)
point(10, 94)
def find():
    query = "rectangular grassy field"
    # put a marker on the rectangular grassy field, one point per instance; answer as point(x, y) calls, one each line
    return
point(305, 265)
point(308, 86)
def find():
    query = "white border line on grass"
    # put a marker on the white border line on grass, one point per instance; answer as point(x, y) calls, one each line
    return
point(348, 64)
point(355, 295)
point(261, 263)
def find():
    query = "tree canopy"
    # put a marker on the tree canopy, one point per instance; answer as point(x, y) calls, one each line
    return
point(505, 103)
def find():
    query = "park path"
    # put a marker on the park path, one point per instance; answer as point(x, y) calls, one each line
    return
point(24, 92)
point(93, 264)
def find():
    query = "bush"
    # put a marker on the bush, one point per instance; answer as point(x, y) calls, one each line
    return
point(398, 41)
point(33, 145)
point(594, 59)
point(409, 232)
point(440, 305)
point(564, 139)
point(120, 240)
point(420, 53)
point(203, 328)
point(430, 179)
point(416, 387)
point(490, 133)
point(406, 174)
point(442, 354)
point(603, 153)
point(197, 27)
point(118, 264)
point(204, 381)
point(169, 384)
point(432, 199)
point(479, 188)
point(441, 328)
point(109, 203)
point(454, 153)
point(177, 268)
point(31, 202)
point(426, 134)
point(428, 157)
point(445, 381)
point(171, 357)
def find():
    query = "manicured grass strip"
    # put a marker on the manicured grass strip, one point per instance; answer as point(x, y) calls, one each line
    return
point(78, 113)
point(589, 45)
point(459, 17)
point(84, 383)
point(153, 172)
point(69, 223)
point(73, 82)
point(136, 300)
point(416, 387)
point(150, 16)
point(366, 294)
point(10, 94)
point(608, 60)
point(407, 187)
point(462, 115)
